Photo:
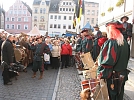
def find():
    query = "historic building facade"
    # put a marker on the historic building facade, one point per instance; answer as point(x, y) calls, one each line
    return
point(91, 13)
point(61, 15)
point(18, 18)
point(40, 14)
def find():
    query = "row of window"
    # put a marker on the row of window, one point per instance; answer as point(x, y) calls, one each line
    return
point(18, 19)
point(18, 12)
point(92, 20)
point(67, 3)
point(11, 26)
point(67, 9)
point(42, 10)
point(93, 5)
point(59, 17)
point(92, 12)
point(59, 26)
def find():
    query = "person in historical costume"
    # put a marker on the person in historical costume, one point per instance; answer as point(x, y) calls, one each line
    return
point(96, 48)
point(78, 43)
point(127, 33)
point(7, 53)
point(3, 38)
point(38, 61)
point(87, 41)
point(113, 61)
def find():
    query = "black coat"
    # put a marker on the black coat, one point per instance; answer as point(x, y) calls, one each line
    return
point(7, 52)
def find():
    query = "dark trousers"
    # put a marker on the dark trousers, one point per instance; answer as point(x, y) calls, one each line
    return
point(65, 60)
point(55, 62)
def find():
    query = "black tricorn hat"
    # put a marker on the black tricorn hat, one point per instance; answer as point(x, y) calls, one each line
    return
point(124, 17)
point(96, 26)
point(38, 38)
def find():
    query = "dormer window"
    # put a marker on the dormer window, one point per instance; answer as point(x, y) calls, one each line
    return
point(43, 3)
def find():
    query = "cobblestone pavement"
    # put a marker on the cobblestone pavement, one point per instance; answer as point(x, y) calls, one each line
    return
point(69, 84)
point(27, 88)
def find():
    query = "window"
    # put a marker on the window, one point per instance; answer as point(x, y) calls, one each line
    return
point(69, 9)
point(43, 3)
point(24, 12)
point(60, 9)
point(15, 12)
point(12, 26)
point(19, 19)
point(13, 19)
point(93, 5)
point(44, 10)
point(70, 17)
point(88, 19)
point(73, 9)
point(66, 3)
point(96, 20)
point(69, 26)
point(41, 10)
point(35, 18)
point(26, 19)
point(42, 18)
point(55, 26)
point(51, 17)
point(36, 10)
point(59, 17)
point(63, 3)
point(18, 27)
point(41, 27)
point(55, 17)
point(69, 3)
point(51, 25)
point(92, 21)
point(65, 18)
point(93, 12)
point(58, 25)
point(66, 9)
point(8, 26)
point(19, 12)
point(63, 9)
point(25, 27)
point(7, 19)
point(11, 12)
point(88, 12)
point(64, 26)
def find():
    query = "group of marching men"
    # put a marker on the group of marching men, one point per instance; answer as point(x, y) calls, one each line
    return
point(111, 53)
point(113, 50)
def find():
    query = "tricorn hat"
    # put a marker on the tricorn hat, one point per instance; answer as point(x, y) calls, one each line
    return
point(96, 26)
point(84, 30)
point(117, 24)
point(124, 17)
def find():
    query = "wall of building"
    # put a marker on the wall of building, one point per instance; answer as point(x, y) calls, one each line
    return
point(117, 13)
point(91, 13)
point(18, 18)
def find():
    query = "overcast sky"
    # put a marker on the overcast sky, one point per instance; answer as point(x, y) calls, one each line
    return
point(8, 3)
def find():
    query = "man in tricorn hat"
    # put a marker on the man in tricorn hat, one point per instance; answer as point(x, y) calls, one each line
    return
point(113, 61)
point(127, 33)
point(96, 48)
point(87, 41)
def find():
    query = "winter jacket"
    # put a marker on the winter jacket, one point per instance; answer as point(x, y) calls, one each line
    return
point(66, 49)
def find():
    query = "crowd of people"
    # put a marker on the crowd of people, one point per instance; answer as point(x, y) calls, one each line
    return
point(111, 47)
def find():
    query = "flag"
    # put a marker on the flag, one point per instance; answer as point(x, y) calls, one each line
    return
point(74, 21)
point(79, 10)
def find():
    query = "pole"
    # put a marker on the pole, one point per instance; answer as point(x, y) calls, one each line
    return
point(0, 15)
point(132, 44)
